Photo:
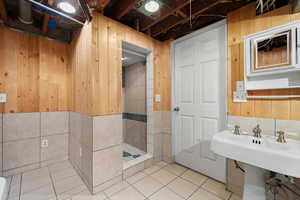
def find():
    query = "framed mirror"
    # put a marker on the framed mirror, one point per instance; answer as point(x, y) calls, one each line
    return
point(271, 51)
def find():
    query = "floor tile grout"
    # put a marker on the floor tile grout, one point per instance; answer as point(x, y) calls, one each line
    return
point(21, 180)
point(132, 185)
point(52, 181)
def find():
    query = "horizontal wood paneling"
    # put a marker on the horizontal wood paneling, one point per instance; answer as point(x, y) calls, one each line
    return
point(96, 66)
point(33, 73)
point(241, 23)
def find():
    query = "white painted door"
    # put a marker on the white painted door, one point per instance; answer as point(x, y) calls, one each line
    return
point(199, 94)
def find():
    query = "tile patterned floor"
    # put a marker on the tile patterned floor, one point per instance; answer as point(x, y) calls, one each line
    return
point(159, 182)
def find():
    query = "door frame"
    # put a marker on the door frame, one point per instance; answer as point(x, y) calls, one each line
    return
point(149, 101)
point(225, 59)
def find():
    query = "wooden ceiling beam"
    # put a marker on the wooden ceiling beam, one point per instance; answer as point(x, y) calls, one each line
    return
point(182, 14)
point(101, 5)
point(123, 7)
point(47, 18)
point(3, 13)
point(195, 13)
point(181, 4)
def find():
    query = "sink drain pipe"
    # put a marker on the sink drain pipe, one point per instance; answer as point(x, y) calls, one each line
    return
point(237, 166)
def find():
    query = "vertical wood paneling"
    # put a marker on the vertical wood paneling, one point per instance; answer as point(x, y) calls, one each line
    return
point(53, 76)
point(162, 75)
point(96, 62)
point(33, 73)
point(241, 23)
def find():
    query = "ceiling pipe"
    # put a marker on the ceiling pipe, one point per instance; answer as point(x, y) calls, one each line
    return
point(25, 12)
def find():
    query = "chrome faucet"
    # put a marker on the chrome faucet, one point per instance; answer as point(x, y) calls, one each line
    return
point(257, 131)
point(281, 137)
point(237, 130)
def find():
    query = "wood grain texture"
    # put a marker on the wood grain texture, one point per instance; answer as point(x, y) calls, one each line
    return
point(243, 22)
point(96, 67)
point(33, 73)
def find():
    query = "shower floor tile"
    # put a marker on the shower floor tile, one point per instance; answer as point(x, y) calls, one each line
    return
point(130, 152)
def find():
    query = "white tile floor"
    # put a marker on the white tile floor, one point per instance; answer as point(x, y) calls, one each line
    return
point(159, 182)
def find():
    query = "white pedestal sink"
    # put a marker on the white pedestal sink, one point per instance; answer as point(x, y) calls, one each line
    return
point(259, 155)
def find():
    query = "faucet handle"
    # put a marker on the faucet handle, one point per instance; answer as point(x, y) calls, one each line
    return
point(281, 137)
point(257, 131)
point(237, 130)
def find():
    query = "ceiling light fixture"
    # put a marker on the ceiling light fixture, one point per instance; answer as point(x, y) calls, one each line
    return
point(152, 6)
point(67, 7)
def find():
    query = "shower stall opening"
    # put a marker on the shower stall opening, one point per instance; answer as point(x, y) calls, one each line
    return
point(134, 89)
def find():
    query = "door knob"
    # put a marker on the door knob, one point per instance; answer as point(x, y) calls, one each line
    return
point(176, 109)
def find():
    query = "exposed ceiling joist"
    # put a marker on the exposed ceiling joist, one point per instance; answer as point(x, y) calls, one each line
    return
point(182, 14)
point(185, 29)
point(181, 4)
point(3, 13)
point(296, 5)
point(47, 18)
point(101, 5)
point(123, 7)
point(195, 13)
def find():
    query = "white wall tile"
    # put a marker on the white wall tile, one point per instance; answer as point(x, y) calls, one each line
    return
point(107, 164)
point(20, 153)
point(290, 127)
point(87, 166)
point(107, 131)
point(18, 126)
point(86, 138)
point(57, 149)
point(75, 125)
point(54, 123)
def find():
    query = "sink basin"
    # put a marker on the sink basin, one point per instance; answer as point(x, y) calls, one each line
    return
point(258, 154)
point(283, 158)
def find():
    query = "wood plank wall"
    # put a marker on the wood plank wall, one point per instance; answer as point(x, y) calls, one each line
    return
point(34, 73)
point(243, 22)
point(96, 67)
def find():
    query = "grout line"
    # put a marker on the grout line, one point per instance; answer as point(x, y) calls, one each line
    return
point(21, 181)
point(230, 196)
point(52, 182)
point(149, 175)
point(116, 145)
point(138, 190)
point(9, 186)
point(212, 192)
point(199, 187)
point(27, 165)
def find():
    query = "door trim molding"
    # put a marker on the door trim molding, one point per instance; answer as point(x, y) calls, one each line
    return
point(191, 35)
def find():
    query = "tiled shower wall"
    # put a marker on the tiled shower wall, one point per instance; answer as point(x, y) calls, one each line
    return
point(134, 93)
point(23, 134)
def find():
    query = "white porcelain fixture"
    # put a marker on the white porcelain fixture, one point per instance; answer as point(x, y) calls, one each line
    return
point(259, 155)
point(3, 188)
